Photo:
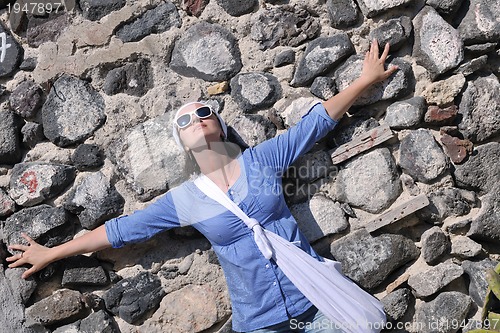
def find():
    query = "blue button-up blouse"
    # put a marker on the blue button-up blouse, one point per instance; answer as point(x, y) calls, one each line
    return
point(261, 295)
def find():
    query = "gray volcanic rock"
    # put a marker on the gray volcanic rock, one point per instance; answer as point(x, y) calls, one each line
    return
point(430, 281)
point(32, 134)
point(406, 114)
point(73, 111)
point(435, 244)
point(397, 85)
point(396, 303)
point(207, 51)
point(11, 59)
point(481, 23)
point(238, 7)
point(421, 156)
point(445, 7)
point(321, 55)
point(480, 109)
point(26, 99)
point(254, 129)
point(94, 200)
point(255, 91)
point(94, 10)
point(482, 170)
point(153, 21)
point(10, 145)
point(284, 25)
point(478, 284)
point(32, 183)
point(376, 168)
point(83, 271)
point(438, 46)
point(133, 79)
point(11, 308)
point(46, 29)
point(132, 298)
point(7, 205)
point(371, 8)
point(395, 32)
point(369, 260)
point(485, 224)
point(343, 13)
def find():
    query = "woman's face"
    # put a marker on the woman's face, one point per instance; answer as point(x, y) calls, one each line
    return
point(200, 131)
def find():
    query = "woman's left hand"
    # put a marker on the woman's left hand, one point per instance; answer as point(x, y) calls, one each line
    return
point(373, 65)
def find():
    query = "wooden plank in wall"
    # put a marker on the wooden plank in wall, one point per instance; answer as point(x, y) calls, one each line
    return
point(361, 143)
point(397, 213)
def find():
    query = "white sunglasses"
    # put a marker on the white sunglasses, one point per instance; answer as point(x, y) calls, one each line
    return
point(186, 119)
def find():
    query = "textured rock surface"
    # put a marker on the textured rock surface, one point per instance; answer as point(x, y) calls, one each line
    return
point(430, 281)
point(405, 114)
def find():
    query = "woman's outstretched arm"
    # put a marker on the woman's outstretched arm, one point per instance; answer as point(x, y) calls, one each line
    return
point(39, 256)
point(373, 72)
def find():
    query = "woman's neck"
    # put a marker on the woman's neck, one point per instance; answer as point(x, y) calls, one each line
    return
point(212, 159)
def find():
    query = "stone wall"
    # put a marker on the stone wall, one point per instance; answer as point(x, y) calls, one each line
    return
point(88, 90)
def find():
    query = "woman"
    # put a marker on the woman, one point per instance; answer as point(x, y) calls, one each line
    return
point(263, 298)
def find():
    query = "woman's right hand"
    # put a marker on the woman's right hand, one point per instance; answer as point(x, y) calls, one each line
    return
point(36, 255)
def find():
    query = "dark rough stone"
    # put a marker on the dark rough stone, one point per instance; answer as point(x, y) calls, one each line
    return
point(438, 46)
point(238, 7)
point(284, 25)
point(435, 244)
point(254, 129)
point(195, 7)
point(7, 205)
point(478, 284)
point(396, 86)
point(24, 287)
point(321, 55)
point(396, 303)
point(10, 147)
point(471, 66)
point(405, 114)
point(456, 149)
point(83, 271)
point(73, 111)
point(284, 58)
point(133, 298)
point(63, 305)
point(133, 79)
point(99, 321)
point(94, 200)
point(446, 7)
point(42, 30)
point(376, 168)
point(207, 51)
point(485, 225)
point(481, 23)
point(371, 8)
point(255, 91)
point(28, 64)
point(12, 56)
point(343, 13)
point(26, 99)
point(480, 109)
point(150, 172)
point(421, 157)
point(11, 308)
point(394, 31)
point(369, 260)
point(32, 134)
point(451, 305)
point(154, 21)
point(429, 282)
point(94, 10)
point(438, 116)
point(480, 49)
point(323, 87)
point(42, 223)
point(482, 170)
point(32, 183)
point(445, 202)
point(87, 157)
point(346, 132)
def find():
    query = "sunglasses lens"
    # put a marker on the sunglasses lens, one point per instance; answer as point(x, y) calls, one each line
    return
point(184, 120)
point(204, 112)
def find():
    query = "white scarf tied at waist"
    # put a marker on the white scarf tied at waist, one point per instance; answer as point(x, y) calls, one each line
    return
point(341, 300)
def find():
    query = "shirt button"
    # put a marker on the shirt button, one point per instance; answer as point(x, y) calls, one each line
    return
point(274, 283)
point(267, 266)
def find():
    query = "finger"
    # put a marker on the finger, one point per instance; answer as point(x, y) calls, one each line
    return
point(28, 238)
point(391, 70)
point(19, 247)
point(17, 263)
point(375, 49)
point(386, 52)
point(29, 272)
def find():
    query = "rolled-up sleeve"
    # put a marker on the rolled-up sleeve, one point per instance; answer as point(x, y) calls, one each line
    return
point(281, 151)
point(143, 224)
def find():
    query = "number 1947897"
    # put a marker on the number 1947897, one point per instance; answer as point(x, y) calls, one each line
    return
point(35, 7)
